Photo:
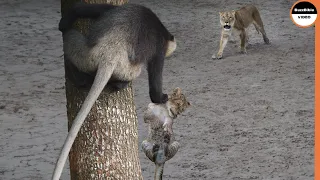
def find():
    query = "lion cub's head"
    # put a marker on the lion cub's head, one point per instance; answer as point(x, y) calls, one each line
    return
point(177, 102)
point(227, 19)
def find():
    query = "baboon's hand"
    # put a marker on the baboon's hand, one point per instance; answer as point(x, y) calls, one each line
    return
point(64, 24)
point(70, 16)
point(164, 98)
point(158, 98)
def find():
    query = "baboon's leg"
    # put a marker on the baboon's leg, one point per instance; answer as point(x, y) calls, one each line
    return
point(78, 78)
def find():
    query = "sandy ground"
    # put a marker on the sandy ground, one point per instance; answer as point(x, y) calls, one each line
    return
point(252, 115)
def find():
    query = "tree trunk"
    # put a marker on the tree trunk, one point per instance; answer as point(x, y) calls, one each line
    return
point(107, 144)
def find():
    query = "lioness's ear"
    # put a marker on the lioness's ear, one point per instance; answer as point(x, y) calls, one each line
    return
point(220, 13)
point(233, 12)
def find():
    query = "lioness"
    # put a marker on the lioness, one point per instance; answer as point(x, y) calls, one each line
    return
point(238, 21)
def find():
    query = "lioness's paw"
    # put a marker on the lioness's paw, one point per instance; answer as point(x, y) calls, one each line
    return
point(243, 51)
point(267, 41)
point(219, 56)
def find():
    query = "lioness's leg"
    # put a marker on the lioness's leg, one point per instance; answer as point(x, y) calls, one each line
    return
point(261, 29)
point(257, 28)
point(243, 40)
point(232, 37)
point(247, 37)
point(257, 22)
point(223, 43)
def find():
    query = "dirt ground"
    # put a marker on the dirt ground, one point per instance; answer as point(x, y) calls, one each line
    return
point(252, 116)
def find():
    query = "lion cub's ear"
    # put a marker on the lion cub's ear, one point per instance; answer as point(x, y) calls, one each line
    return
point(177, 91)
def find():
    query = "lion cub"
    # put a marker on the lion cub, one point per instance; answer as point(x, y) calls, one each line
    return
point(238, 21)
point(160, 146)
point(160, 116)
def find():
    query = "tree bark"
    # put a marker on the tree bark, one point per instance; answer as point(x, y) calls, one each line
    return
point(107, 144)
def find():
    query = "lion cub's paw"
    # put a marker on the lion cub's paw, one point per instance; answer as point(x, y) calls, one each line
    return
point(167, 127)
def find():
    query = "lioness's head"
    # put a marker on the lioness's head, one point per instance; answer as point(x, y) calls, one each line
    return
point(177, 102)
point(227, 19)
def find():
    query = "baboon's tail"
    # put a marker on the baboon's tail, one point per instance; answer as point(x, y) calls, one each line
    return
point(102, 77)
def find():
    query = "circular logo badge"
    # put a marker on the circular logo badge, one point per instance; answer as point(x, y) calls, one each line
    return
point(303, 14)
